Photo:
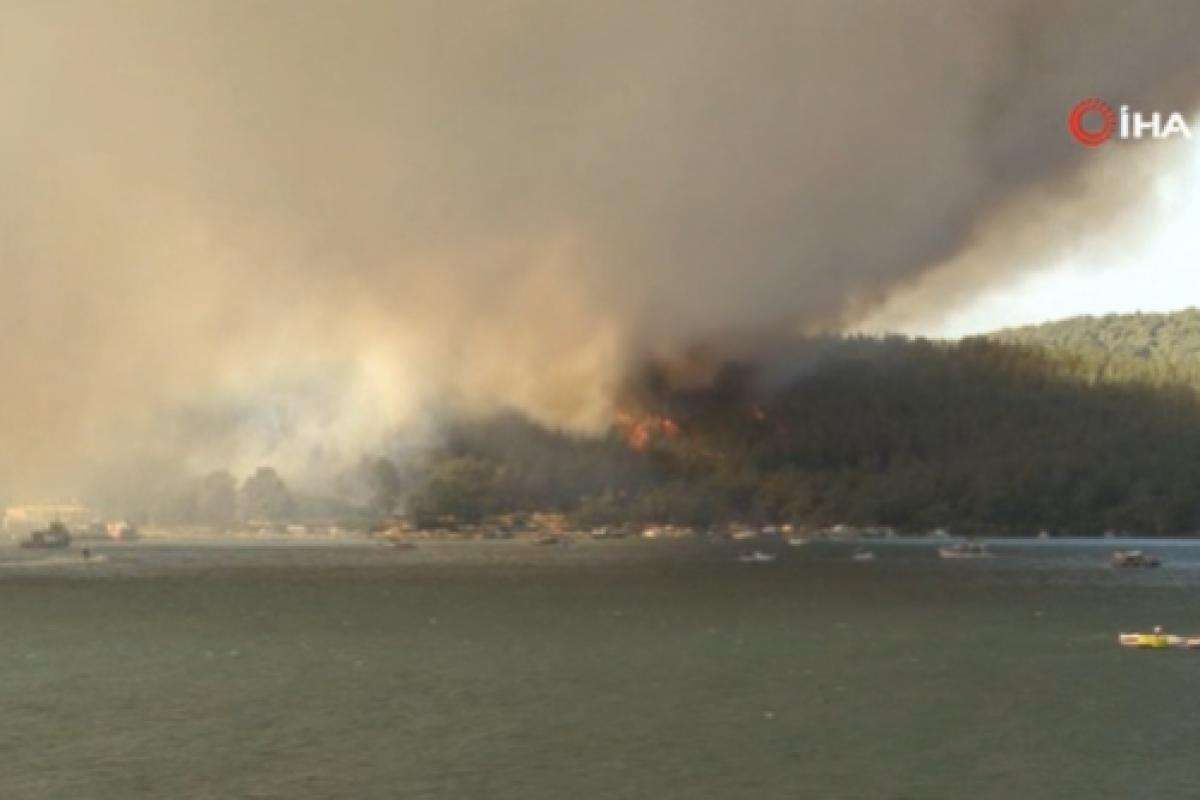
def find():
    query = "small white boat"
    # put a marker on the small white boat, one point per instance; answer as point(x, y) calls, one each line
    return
point(863, 555)
point(798, 541)
point(757, 557)
point(965, 550)
point(1134, 558)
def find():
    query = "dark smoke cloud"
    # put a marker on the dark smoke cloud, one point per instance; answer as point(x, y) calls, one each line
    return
point(212, 208)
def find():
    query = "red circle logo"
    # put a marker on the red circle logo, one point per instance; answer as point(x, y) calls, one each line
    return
point(1092, 105)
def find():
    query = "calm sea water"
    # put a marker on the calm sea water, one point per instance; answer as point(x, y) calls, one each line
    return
point(606, 670)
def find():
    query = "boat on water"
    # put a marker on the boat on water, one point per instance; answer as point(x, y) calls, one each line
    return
point(1158, 640)
point(1134, 558)
point(965, 550)
point(757, 557)
point(798, 541)
point(52, 538)
point(862, 555)
point(548, 539)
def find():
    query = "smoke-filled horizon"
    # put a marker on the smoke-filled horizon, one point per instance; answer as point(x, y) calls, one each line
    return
point(287, 233)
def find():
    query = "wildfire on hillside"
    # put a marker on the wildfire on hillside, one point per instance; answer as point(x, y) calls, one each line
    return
point(638, 430)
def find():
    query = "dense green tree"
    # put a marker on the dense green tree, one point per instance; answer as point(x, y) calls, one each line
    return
point(265, 498)
point(460, 489)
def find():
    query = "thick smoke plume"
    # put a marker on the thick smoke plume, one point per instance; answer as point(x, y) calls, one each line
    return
point(234, 232)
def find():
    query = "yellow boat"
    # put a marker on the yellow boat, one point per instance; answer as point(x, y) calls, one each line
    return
point(1158, 641)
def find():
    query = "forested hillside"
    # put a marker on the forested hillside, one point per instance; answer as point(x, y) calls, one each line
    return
point(1154, 348)
point(981, 435)
point(976, 435)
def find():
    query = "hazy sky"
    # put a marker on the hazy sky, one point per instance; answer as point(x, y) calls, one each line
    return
point(1155, 268)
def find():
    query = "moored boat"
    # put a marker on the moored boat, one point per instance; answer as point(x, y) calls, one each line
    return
point(757, 557)
point(55, 537)
point(1158, 640)
point(965, 550)
point(1134, 558)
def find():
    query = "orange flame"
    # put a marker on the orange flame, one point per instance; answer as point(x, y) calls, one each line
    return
point(639, 430)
